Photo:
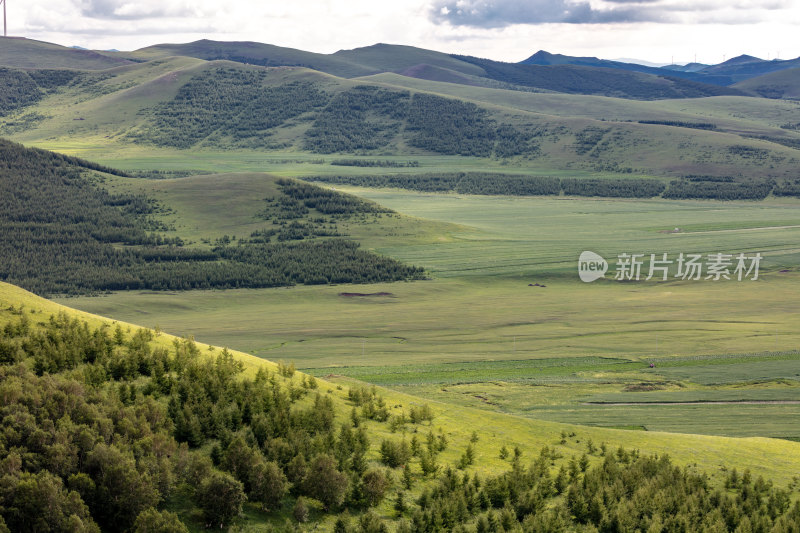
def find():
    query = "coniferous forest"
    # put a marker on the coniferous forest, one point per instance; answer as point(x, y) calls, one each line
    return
point(63, 234)
point(689, 187)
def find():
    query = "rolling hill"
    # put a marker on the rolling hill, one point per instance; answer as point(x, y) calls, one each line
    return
point(689, 72)
point(727, 73)
point(650, 83)
point(63, 233)
point(783, 84)
point(166, 102)
point(109, 426)
point(162, 431)
point(27, 53)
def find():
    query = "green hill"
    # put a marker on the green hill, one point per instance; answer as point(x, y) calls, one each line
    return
point(572, 79)
point(161, 431)
point(257, 54)
point(162, 107)
point(577, 79)
point(781, 84)
point(62, 232)
point(27, 53)
point(387, 57)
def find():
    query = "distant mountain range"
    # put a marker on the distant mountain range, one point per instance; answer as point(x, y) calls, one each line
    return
point(542, 72)
point(728, 73)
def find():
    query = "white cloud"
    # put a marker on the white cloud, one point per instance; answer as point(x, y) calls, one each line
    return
point(710, 28)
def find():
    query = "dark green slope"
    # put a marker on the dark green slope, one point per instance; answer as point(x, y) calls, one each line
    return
point(60, 232)
point(543, 58)
point(576, 79)
point(781, 84)
point(734, 70)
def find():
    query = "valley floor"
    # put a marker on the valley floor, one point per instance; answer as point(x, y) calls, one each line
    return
point(505, 324)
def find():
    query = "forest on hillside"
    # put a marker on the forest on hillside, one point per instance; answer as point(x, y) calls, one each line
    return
point(108, 429)
point(227, 107)
point(62, 233)
point(492, 183)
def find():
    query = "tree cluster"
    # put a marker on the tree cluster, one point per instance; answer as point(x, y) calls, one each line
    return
point(788, 188)
point(682, 124)
point(22, 88)
point(228, 107)
point(359, 119)
point(386, 163)
point(102, 428)
point(506, 184)
point(713, 189)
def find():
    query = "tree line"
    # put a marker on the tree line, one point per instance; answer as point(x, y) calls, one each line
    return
point(388, 163)
point(682, 124)
point(714, 189)
point(488, 183)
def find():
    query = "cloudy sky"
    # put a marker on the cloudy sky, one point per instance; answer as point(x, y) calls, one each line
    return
point(508, 30)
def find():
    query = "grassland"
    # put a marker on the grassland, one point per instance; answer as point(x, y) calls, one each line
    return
point(503, 324)
point(28, 53)
point(778, 460)
point(482, 333)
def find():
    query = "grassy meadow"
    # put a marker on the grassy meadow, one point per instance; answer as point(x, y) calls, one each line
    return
point(778, 460)
point(481, 332)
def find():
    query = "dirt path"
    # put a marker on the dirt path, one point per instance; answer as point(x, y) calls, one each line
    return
point(711, 402)
point(733, 230)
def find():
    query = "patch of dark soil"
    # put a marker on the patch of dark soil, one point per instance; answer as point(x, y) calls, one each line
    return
point(365, 294)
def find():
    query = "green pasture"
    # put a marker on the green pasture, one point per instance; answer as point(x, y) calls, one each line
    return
point(542, 236)
point(481, 324)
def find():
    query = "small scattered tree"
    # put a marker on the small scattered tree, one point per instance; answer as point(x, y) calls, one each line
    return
point(153, 521)
point(300, 511)
point(324, 482)
point(375, 484)
point(220, 496)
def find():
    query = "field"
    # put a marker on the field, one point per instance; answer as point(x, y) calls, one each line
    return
point(482, 333)
point(707, 453)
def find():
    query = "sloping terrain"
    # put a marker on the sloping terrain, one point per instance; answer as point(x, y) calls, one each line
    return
point(745, 67)
point(581, 77)
point(27, 53)
point(783, 84)
point(728, 73)
point(63, 233)
point(155, 421)
point(171, 103)
point(691, 73)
